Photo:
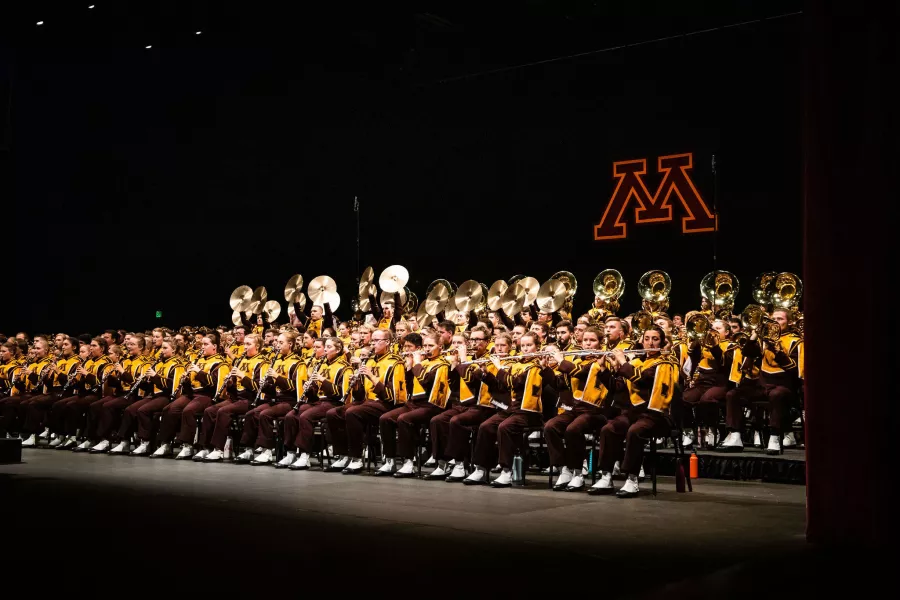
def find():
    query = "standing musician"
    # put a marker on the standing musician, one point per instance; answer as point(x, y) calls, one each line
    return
point(58, 385)
point(279, 392)
point(192, 395)
point(381, 383)
point(242, 386)
point(463, 386)
point(583, 411)
point(524, 380)
point(707, 389)
point(158, 383)
point(489, 395)
point(651, 381)
point(780, 374)
point(104, 417)
point(329, 384)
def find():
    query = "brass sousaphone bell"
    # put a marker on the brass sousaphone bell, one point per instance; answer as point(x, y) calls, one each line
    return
point(655, 286)
point(720, 288)
point(787, 291)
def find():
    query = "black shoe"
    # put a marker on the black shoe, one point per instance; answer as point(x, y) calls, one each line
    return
point(298, 468)
point(349, 471)
point(482, 481)
point(400, 475)
point(452, 479)
point(623, 494)
point(601, 491)
point(561, 487)
point(432, 477)
point(721, 448)
point(494, 484)
point(580, 488)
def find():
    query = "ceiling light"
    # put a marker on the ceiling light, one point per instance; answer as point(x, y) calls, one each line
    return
point(199, 32)
point(148, 47)
point(40, 22)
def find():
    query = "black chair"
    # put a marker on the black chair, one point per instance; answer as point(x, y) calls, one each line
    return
point(680, 456)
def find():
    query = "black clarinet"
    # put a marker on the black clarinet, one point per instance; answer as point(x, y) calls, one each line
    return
point(263, 379)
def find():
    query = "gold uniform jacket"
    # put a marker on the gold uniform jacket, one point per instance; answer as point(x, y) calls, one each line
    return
point(390, 370)
point(651, 381)
point(431, 381)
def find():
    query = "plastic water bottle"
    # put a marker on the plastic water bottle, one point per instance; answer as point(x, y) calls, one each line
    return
point(517, 471)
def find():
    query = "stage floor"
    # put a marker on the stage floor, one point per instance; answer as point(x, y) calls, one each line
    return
point(116, 514)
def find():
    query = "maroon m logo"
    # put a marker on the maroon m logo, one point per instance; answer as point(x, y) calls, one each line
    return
point(657, 207)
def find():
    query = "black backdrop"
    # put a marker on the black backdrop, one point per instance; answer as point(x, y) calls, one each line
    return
point(161, 180)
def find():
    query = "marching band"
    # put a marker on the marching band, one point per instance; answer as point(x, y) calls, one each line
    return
point(476, 371)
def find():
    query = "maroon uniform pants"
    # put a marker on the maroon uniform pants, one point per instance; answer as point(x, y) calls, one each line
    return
point(76, 412)
point(35, 411)
point(337, 428)
point(461, 427)
point(440, 430)
point(631, 430)
point(94, 413)
point(139, 414)
point(410, 423)
point(183, 411)
point(58, 411)
point(217, 421)
point(9, 413)
point(570, 427)
point(704, 398)
point(387, 423)
point(506, 430)
point(776, 398)
point(259, 424)
point(300, 424)
point(357, 417)
point(109, 414)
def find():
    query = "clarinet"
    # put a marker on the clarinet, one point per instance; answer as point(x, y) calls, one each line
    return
point(72, 377)
point(176, 391)
point(308, 383)
point(263, 379)
point(221, 389)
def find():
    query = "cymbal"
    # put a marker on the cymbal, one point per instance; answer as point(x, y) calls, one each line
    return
point(389, 298)
point(293, 287)
point(318, 286)
point(532, 286)
point(240, 298)
point(569, 280)
point(236, 318)
point(412, 303)
point(495, 294)
point(272, 309)
point(368, 276)
point(437, 299)
point(333, 299)
point(512, 302)
point(393, 278)
point(552, 295)
point(514, 279)
point(260, 295)
point(364, 293)
point(468, 296)
point(422, 315)
point(453, 315)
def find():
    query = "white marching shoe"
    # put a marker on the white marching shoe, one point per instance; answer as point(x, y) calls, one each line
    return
point(53, 443)
point(458, 473)
point(711, 438)
point(142, 449)
point(732, 443)
point(407, 470)
point(641, 474)
point(630, 489)
point(263, 459)
point(616, 470)
point(774, 446)
point(353, 467)
point(287, 461)
point(121, 448)
point(162, 451)
point(214, 456)
point(496, 469)
point(301, 464)
point(45, 434)
point(103, 446)
point(789, 440)
point(201, 455)
point(503, 480)
point(430, 462)
point(69, 443)
point(603, 485)
point(30, 441)
point(577, 483)
point(534, 435)
point(687, 440)
point(187, 451)
point(340, 464)
point(83, 446)
point(386, 469)
point(565, 476)
point(439, 473)
point(757, 441)
point(245, 456)
point(478, 477)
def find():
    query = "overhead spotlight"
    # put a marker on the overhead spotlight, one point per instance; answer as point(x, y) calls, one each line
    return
point(148, 47)
point(199, 32)
point(90, 7)
point(40, 22)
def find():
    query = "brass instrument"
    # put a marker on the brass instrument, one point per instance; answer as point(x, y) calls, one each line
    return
point(655, 286)
point(753, 316)
point(720, 288)
point(641, 322)
point(699, 329)
point(787, 291)
point(740, 339)
point(764, 287)
point(769, 331)
point(542, 354)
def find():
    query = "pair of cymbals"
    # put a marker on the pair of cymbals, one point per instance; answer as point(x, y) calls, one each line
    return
point(495, 294)
point(471, 295)
point(319, 287)
point(438, 297)
point(568, 279)
point(366, 288)
point(293, 288)
point(552, 295)
point(258, 300)
point(527, 285)
point(393, 279)
point(240, 298)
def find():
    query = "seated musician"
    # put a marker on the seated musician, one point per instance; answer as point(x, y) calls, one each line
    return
point(328, 388)
point(651, 381)
point(279, 394)
point(337, 416)
point(780, 377)
point(241, 387)
point(524, 380)
point(107, 414)
point(707, 389)
point(58, 385)
point(381, 384)
point(71, 410)
point(193, 394)
point(158, 383)
point(463, 387)
point(107, 389)
point(25, 381)
point(583, 411)
point(10, 361)
point(235, 350)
